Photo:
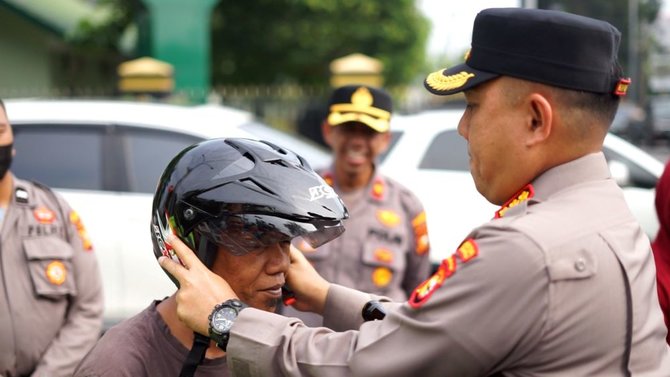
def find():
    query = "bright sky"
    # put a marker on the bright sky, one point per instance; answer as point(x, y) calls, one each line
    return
point(452, 22)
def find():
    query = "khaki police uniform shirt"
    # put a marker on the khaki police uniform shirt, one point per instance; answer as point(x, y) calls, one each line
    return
point(384, 249)
point(561, 284)
point(51, 302)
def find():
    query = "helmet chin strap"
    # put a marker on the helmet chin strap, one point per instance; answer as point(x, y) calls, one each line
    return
point(195, 356)
point(200, 342)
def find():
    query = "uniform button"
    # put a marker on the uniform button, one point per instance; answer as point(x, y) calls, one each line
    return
point(580, 264)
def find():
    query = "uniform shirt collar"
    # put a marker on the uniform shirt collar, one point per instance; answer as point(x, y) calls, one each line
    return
point(377, 188)
point(592, 167)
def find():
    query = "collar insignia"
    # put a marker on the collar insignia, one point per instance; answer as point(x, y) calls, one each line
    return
point(524, 194)
point(378, 189)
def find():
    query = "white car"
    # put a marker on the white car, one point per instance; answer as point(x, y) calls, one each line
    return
point(429, 156)
point(105, 158)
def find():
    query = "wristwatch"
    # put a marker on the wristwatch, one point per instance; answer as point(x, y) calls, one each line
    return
point(221, 321)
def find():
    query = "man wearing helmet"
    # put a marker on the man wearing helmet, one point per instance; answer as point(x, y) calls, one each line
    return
point(230, 200)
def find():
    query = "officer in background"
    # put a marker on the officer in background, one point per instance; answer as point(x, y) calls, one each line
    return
point(561, 282)
point(51, 302)
point(385, 249)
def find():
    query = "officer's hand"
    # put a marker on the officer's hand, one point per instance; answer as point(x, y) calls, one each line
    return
point(199, 288)
point(309, 287)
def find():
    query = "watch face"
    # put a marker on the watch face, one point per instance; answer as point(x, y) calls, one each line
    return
point(222, 320)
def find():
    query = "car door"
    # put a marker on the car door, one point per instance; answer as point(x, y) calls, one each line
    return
point(108, 173)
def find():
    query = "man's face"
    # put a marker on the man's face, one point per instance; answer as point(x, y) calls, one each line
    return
point(355, 146)
point(256, 277)
point(6, 135)
point(492, 128)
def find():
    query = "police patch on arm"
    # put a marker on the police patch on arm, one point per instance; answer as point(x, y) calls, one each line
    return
point(467, 251)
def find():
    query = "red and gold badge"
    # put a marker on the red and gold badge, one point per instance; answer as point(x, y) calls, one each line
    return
point(422, 293)
point(381, 276)
point(378, 189)
point(421, 233)
point(81, 230)
point(44, 215)
point(524, 194)
point(466, 252)
point(388, 217)
point(56, 272)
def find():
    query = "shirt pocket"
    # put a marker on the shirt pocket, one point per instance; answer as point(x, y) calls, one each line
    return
point(573, 264)
point(50, 265)
point(383, 264)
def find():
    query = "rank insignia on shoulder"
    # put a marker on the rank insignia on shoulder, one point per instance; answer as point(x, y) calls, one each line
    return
point(521, 196)
point(467, 251)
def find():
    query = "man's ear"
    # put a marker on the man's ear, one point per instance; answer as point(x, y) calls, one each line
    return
point(326, 131)
point(385, 141)
point(541, 118)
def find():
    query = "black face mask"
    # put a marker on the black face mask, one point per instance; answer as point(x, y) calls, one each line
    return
point(5, 158)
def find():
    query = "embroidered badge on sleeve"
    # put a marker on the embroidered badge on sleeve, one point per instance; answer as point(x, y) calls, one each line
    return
point(81, 230)
point(421, 233)
point(466, 252)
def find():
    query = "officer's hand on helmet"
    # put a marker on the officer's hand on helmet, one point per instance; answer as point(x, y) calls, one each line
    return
point(199, 288)
point(309, 288)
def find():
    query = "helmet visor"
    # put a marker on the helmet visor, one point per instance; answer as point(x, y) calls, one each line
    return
point(242, 234)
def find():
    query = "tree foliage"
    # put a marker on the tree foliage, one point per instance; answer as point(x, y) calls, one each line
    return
point(280, 41)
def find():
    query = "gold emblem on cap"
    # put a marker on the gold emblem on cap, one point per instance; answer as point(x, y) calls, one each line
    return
point(362, 97)
point(438, 81)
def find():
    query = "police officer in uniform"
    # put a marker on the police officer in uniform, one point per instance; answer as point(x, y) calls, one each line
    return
point(559, 283)
point(385, 248)
point(51, 302)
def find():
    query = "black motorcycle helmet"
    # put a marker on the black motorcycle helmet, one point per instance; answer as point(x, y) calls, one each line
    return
point(241, 194)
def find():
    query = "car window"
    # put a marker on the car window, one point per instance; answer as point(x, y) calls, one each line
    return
point(59, 155)
point(638, 176)
point(447, 151)
point(148, 152)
